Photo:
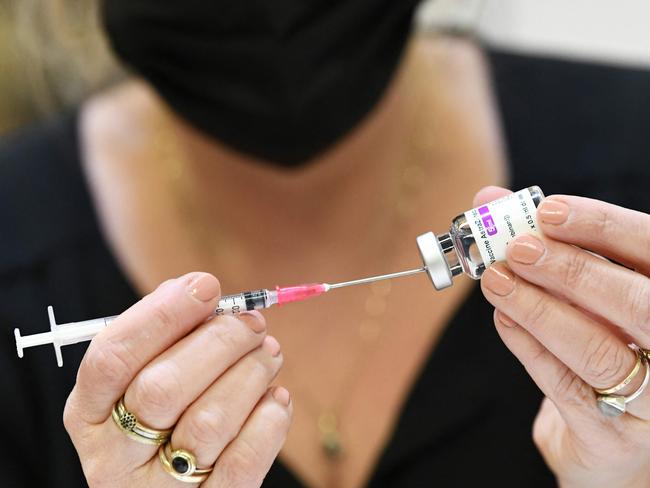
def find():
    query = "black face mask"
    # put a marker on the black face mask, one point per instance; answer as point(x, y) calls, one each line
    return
point(278, 79)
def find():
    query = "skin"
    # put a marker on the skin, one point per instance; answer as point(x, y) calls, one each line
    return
point(146, 352)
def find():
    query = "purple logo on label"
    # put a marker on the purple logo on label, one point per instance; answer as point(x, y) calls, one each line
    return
point(488, 223)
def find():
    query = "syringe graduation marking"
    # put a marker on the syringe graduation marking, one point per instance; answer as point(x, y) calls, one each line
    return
point(248, 300)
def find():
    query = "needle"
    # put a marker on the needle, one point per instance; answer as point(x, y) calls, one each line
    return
point(372, 279)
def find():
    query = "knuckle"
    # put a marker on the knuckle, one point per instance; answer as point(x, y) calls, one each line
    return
point(212, 329)
point(156, 390)
point(109, 363)
point(600, 224)
point(223, 333)
point(604, 360)
point(264, 367)
point(639, 304)
point(277, 419)
point(163, 314)
point(571, 390)
point(280, 420)
point(539, 355)
point(537, 311)
point(575, 269)
point(210, 425)
point(243, 463)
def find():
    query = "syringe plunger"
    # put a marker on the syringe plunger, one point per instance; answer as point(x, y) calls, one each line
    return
point(61, 334)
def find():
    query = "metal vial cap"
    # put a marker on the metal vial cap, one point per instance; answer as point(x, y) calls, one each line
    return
point(433, 258)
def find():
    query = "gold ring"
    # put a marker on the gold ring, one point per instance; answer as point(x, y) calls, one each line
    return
point(640, 355)
point(181, 464)
point(645, 352)
point(615, 405)
point(128, 423)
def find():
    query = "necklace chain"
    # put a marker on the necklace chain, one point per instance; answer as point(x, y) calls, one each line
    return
point(371, 328)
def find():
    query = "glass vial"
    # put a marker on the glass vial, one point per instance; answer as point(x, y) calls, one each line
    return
point(478, 238)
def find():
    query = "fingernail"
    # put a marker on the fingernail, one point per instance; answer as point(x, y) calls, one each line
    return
point(271, 345)
point(526, 249)
point(553, 212)
point(505, 320)
point(281, 395)
point(204, 287)
point(254, 320)
point(499, 280)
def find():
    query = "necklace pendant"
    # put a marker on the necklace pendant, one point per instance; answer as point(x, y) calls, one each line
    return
point(331, 443)
point(330, 435)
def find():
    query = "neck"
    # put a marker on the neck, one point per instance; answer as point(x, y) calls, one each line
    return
point(354, 186)
point(328, 198)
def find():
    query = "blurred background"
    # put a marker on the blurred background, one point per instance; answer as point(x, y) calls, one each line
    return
point(597, 31)
point(51, 54)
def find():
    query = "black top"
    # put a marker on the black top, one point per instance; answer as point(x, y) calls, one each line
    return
point(571, 128)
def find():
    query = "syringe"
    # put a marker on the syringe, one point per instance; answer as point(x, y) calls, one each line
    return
point(75, 332)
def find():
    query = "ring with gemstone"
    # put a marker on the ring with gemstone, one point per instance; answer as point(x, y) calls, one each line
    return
point(615, 405)
point(181, 464)
point(128, 423)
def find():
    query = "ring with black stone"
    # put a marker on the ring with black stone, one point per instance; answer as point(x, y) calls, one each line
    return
point(181, 464)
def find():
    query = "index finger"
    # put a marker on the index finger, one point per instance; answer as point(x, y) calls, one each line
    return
point(616, 232)
point(141, 333)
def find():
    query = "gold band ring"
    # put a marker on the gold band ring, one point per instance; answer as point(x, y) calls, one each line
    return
point(615, 405)
point(181, 464)
point(128, 423)
point(640, 354)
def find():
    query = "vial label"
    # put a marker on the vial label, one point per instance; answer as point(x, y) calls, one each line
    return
point(496, 223)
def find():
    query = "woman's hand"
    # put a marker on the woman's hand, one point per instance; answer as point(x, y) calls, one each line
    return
point(208, 380)
point(568, 316)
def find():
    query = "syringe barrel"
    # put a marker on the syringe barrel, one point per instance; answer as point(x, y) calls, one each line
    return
point(76, 332)
point(242, 302)
point(64, 334)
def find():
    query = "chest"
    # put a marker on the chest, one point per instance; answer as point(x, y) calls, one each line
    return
point(350, 375)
